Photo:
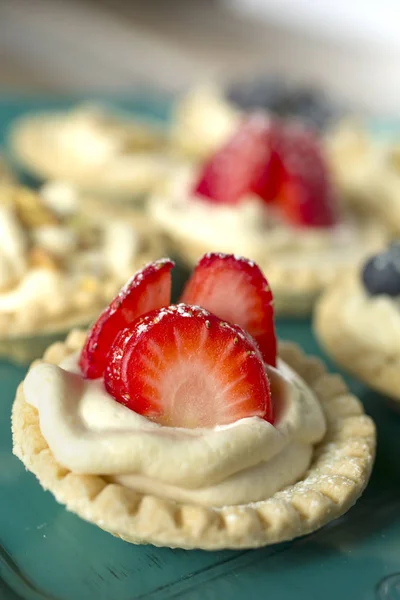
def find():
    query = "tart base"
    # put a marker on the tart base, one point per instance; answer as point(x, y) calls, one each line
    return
point(339, 472)
point(351, 348)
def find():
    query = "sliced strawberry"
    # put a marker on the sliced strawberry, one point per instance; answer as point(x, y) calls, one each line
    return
point(267, 181)
point(235, 289)
point(243, 165)
point(148, 289)
point(306, 194)
point(181, 366)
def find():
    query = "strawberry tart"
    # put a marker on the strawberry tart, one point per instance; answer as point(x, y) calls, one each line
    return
point(357, 322)
point(267, 194)
point(58, 267)
point(181, 425)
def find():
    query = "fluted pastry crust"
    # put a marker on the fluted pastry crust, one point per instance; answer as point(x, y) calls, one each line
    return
point(340, 470)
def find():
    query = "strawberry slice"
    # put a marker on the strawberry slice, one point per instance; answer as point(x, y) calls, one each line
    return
point(235, 289)
point(246, 163)
point(306, 194)
point(148, 289)
point(181, 366)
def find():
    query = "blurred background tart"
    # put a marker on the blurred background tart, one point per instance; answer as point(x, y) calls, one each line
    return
point(357, 322)
point(267, 193)
point(98, 148)
point(60, 266)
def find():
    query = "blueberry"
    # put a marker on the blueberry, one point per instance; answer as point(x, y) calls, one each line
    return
point(275, 95)
point(266, 92)
point(381, 273)
point(311, 106)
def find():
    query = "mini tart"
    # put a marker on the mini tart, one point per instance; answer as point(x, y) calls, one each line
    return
point(356, 160)
point(339, 472)
point(26, 332)
point(298, 269)
point(361, 333)
point(124, 157)
point(367, 172)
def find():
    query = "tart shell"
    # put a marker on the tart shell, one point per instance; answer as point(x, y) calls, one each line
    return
point(339, 472)
point(351, 348)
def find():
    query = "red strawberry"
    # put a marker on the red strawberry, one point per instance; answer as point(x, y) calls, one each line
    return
point(235, 289)
point(246, 163)
point(306, 194)
point(267, 181)
point(148, 289)
point(183, 367)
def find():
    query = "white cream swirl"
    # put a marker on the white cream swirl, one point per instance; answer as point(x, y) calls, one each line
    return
point(249, 460)
point(86, 135)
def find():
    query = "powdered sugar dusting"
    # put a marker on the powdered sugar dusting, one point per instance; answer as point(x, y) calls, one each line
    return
point(223, 256)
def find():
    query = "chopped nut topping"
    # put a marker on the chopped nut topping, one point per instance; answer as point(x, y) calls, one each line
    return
point(29, 207)
point(38, 257)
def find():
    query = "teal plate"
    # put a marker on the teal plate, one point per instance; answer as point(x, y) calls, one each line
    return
point(48, 553)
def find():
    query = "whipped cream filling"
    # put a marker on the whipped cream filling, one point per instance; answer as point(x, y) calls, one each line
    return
point(85, 135)
point(91, 142)
point(251, 230)
point(249, 460)
point(60, 197)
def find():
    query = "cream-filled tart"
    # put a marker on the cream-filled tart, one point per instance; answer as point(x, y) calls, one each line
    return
point(267, 194)
point(357, 321)
point(58, 267)
point(367, 171)
point(179, 425)
point(99, 150)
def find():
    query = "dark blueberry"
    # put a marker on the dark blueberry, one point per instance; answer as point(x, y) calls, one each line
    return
point(381, 273)
point(310, 106)
point(273, 94)
point(266, 92)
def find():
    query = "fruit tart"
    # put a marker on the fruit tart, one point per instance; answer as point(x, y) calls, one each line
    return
point(58, 267)
point(357, 321)
point(367, 171)
point(100, 150)
point(182, 426)
point(267, 194)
